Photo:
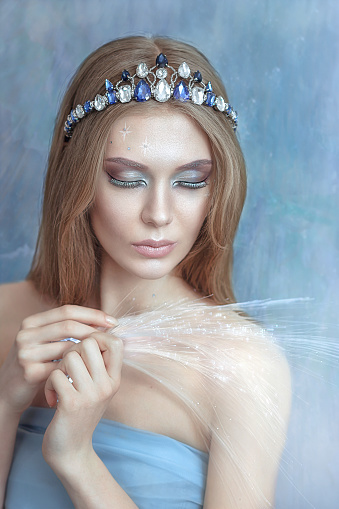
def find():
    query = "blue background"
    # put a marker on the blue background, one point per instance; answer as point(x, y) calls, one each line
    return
point(279, 61)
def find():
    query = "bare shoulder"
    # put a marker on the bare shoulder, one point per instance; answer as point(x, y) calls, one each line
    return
point(20, 298)
point(247, 335)
point(251, 405)
point(250, 355)
point(17, 301)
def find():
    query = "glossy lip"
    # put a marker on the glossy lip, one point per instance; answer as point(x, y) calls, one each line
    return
point(154, 248)
point(154, 243)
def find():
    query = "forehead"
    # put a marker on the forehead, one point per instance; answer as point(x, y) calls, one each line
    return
point(166, 135)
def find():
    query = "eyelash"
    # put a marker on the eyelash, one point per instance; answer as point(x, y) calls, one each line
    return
point(123, 183)
point(192, 185)
point(139, 183)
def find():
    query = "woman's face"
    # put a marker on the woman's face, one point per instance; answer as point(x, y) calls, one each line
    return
point(153, 192)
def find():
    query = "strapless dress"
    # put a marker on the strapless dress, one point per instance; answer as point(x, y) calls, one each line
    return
point(156, 471)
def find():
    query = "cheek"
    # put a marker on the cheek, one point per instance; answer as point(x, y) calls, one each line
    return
point(111, 211)
point(111, 215)
point(195, 210)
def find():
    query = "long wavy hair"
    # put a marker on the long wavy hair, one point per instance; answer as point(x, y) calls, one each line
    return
point(66, 264)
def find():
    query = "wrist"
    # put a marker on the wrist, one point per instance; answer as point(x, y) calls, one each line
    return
point(8, 413)
point(71, 466)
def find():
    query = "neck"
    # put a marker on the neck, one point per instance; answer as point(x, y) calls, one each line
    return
point(122, 293)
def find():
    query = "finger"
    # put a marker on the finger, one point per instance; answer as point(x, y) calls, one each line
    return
point(55, 332)
point(70, 312)
point(91, 356)
point(56, 387)
point(48, 352)
point(112, 350)
point(36, 373)
point(73, 365)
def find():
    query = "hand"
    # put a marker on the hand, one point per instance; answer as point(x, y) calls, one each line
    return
point(37, 344)
point(94, 366)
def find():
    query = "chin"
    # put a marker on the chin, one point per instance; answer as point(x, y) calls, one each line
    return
point(153, 273)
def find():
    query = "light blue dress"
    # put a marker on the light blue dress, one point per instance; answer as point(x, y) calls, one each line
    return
point(156, 471)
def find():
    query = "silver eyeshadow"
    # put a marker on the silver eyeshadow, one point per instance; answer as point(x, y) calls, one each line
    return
point(126, 173)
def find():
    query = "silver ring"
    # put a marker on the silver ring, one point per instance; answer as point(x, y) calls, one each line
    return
point(69, 379)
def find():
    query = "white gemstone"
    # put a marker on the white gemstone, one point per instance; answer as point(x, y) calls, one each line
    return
point(162, 91)
point(184, 71)
point(220, 103)
point(99, 102)
point(198, 95)
point(125, 94)
point(79, 110)
point(161, 73)
point(142, 70)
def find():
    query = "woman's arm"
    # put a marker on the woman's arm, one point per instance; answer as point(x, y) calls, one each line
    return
point(90, 485)
point(26, 361)
point(94, 369)
point(248, 431)
point(8, 427)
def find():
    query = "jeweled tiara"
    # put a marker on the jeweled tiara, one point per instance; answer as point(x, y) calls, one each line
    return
point(152, 84)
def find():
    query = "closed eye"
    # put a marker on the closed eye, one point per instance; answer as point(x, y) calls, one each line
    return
point(192, 185)
point(125, 183)
point(132, 184)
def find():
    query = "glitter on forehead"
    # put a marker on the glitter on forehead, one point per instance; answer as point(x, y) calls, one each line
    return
point(125, 131)
point(145, 146)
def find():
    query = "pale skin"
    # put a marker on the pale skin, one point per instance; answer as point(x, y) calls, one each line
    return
point(155, 185)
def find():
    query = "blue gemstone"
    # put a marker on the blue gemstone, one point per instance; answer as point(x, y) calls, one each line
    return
point(109, 86)
point(125, 75)
point(112, 96)
point(142, 91)
point(87, 106)
point(209, 87)
point(73, 116)
point(161, 60)
point(68, 123)
point(228, 109)
point(181, 92)
point(197, 76)
point(210, 98)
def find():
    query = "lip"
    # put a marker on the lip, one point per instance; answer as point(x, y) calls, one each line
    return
point(154, 243)
point(154, 248)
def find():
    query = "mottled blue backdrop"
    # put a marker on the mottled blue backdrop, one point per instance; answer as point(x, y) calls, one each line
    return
point(279, 61)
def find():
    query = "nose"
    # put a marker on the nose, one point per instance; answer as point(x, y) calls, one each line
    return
point(157, 209)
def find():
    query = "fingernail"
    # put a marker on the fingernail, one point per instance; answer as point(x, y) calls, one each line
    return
point(111, 320)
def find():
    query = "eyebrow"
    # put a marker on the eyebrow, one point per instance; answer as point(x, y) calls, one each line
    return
point(196, 164)
point(126, 162)
point(133, 164)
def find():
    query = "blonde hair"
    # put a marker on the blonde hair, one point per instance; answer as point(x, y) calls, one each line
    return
point(66, 264)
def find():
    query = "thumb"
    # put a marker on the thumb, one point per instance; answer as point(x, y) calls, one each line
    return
point(50, 391)
point(112, 350)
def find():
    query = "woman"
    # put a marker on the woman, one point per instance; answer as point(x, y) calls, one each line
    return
point(141, 206)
